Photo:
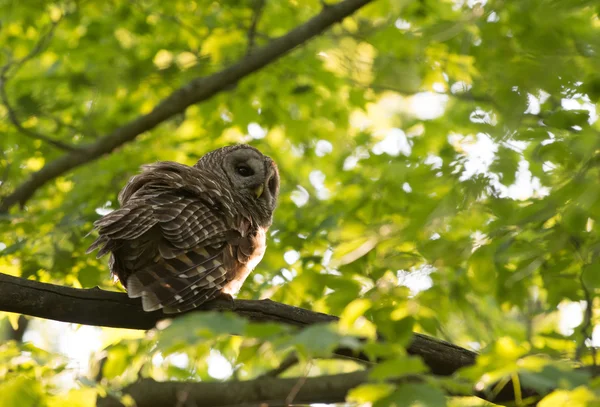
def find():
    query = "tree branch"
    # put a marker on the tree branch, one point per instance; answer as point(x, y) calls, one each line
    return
point(287, 363)
point(12, 116)
point(113, 309)
point(196, 91)
point(39, 47)
point(258, 9)
point(265, 391)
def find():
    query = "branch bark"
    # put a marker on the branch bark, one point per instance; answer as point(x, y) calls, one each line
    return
point(267, 391)
point(113, 309)
point(198, 90)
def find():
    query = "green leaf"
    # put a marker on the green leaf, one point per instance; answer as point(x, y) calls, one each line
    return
point(369, 392)
point(321, 339)
point(399, 367)
point(506, 164)
point(199, 326)
point(117, 361)
point(482, 270)
point(21, 391)
point(85, 397)
point(579, 397)
point(565, 119)
point(264, 330)
point(551, 377)
point(418, 394)
point(353, 311)
point(591, 275)
point(90, 276)
point(14, 248)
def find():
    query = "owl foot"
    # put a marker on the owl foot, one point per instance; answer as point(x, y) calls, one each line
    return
point(226, 297)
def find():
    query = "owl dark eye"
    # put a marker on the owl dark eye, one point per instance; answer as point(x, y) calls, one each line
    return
point(244, 170)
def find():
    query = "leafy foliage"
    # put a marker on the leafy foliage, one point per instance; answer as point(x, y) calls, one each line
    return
point(439, 164)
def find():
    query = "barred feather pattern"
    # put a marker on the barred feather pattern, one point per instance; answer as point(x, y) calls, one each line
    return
point(180, 238)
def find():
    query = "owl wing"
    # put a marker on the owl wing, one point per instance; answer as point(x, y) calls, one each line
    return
point(173, 249)
point(191, 264)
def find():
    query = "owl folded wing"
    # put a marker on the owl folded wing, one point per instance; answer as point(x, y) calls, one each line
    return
point(175, 251)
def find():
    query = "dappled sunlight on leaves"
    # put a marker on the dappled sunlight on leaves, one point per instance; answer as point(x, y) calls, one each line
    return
point(439, 168)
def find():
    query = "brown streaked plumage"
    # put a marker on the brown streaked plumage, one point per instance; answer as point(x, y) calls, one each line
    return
point(185, 235)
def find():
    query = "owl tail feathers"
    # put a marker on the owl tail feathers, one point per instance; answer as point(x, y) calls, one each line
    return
point(105, 245)
point(180, 283)
point(185, 300)
point(135, 289)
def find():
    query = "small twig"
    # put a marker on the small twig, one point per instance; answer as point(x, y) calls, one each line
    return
point(182, 24)
point(587, 321)
point(288, 362)
point(16, 334)
point(12, 116)
point(292, 359)
point(257, 34)
point(6, 170)
point(183, 396)
point(587, 315)
point(15, 65)
point(39, 47)
point(258, 9)
point(516, 382)
point(290, 398)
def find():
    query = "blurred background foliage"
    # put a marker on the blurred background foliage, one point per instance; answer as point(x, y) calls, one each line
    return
point(439, 164)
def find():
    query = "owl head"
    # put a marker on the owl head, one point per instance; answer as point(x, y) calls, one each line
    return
point(250, 175)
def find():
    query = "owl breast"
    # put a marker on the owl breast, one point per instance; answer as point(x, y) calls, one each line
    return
point(242, 269)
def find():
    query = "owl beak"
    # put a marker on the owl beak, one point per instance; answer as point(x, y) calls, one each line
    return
point(259, 190)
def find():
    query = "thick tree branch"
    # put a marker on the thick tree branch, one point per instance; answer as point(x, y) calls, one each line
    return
point(266, 391)
point(196, 91)
point(112, 309)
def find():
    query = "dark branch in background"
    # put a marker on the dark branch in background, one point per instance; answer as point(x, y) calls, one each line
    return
point(587, 325)
point(39, 47)
point(15, 65)
point(12, 116)
point(5, 171)
point(258, 9)
point(196, 91)
point(287, 363)
point(178, 21)
point(113, 309)
point(13, 334)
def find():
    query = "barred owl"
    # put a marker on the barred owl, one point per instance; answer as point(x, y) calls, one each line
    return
point(185, 235)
